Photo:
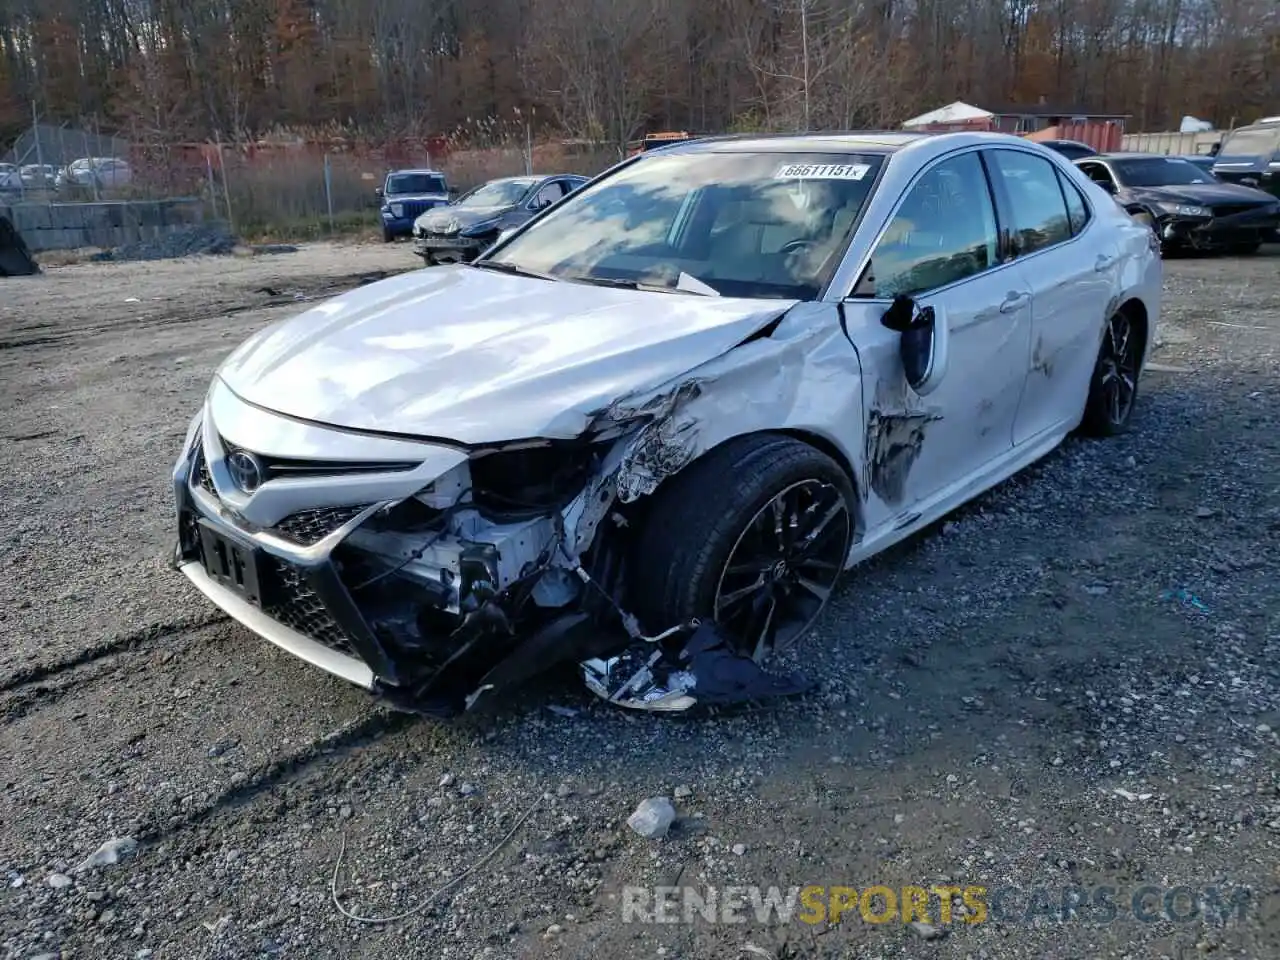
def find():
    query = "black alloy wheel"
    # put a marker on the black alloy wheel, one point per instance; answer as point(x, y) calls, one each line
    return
point(752, 536)
point(782, 569)
point(1114, 387)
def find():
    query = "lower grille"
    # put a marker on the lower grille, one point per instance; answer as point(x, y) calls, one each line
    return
point(297, 606)
point(311, 526)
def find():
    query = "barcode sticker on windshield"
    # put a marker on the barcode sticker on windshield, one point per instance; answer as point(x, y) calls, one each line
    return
point(822, 171)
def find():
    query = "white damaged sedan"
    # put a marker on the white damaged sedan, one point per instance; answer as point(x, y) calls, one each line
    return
point(647, 432)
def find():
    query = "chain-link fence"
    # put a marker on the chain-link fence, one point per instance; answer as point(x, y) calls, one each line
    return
point(295, 188)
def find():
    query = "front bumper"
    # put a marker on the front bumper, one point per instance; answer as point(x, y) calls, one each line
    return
point(298, 600)
point(464, 248)
point(397, 226)
point(286, 638)
point(1220, 231)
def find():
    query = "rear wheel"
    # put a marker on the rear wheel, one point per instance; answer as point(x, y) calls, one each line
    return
point(1244, 249)
point(1114, 387)
point(754, 537)
point(387, 235)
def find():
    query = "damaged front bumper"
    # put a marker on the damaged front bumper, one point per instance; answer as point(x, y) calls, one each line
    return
point(1217, 229)
point(442, 600)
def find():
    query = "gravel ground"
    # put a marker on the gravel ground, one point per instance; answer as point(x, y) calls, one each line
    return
point(1070, 683)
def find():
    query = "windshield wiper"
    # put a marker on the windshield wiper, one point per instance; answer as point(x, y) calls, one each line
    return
point(697, 288)
point(504, 267)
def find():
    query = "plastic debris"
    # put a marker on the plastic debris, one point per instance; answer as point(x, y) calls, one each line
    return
point(1187, 599)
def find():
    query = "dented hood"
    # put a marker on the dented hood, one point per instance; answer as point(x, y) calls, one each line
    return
point(478, 356)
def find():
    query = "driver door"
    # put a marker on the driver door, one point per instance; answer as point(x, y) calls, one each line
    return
point(941, 248)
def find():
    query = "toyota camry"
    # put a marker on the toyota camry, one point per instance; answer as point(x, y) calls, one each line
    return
point(646, 433)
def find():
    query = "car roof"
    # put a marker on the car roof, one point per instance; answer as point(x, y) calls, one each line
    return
point(427, 170)
point(1135, 156)
point(884, 142)
point(871, 140)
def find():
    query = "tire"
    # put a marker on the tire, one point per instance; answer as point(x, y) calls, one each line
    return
point(1244, 249)
point(388, 236)
point(697, 550)
point(1109, 407)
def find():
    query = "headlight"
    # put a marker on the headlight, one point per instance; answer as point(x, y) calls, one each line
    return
point(484, 226)
point(1186, 210)
point(397, 209)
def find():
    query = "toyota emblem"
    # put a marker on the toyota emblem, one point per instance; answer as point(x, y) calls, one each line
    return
point(246, 470)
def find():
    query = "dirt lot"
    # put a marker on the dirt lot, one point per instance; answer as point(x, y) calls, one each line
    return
point(989, 688)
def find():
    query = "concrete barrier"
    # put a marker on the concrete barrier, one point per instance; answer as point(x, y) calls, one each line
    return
point(69, 226)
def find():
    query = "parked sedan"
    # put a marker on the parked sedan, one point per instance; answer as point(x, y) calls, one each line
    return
point(464, 229)
point(1186, 207)
point(101, 173)
point(647, 431)
point(39, 176)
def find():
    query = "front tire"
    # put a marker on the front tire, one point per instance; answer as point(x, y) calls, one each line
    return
point(388, 236)
point(753, 536)
point(1113, 389)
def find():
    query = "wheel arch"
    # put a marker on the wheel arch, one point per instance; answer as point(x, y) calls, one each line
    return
point(1139, 316)
point(812, 438)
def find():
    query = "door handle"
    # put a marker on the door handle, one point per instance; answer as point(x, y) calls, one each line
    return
point(1103, 262)
point(1014, 301)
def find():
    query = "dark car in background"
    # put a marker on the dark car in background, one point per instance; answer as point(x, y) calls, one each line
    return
point(1071, 149)
point(1250, 156)
point(1204, 161)
point(1187, 207)
point(464, 229)
point(406, 195)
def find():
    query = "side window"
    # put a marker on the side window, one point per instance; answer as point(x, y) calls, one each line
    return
point(1077, 209)
point(944, 231)
point(548, 195)
point(1096, 172)
point(1039, 212)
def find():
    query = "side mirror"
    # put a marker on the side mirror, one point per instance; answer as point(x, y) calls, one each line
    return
point(1107, 185)
point(924, 342)
point(502, 237)
point(377, 192)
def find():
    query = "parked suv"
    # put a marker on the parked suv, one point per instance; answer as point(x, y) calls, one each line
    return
point(1251, 156)
point(407, 195)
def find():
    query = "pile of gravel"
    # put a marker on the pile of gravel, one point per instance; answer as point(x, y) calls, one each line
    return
point(207, 238)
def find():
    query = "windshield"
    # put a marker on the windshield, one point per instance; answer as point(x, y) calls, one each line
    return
point(1158, 172)
point(416, 183)
point(770, 225)
point(497, 193)
point(1251, 143)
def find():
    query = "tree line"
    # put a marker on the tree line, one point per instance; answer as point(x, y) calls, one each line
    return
point(607, 70)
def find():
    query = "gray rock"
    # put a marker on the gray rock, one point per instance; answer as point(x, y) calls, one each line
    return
point(59, 880)
point(653, 818)
point(927, 930)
